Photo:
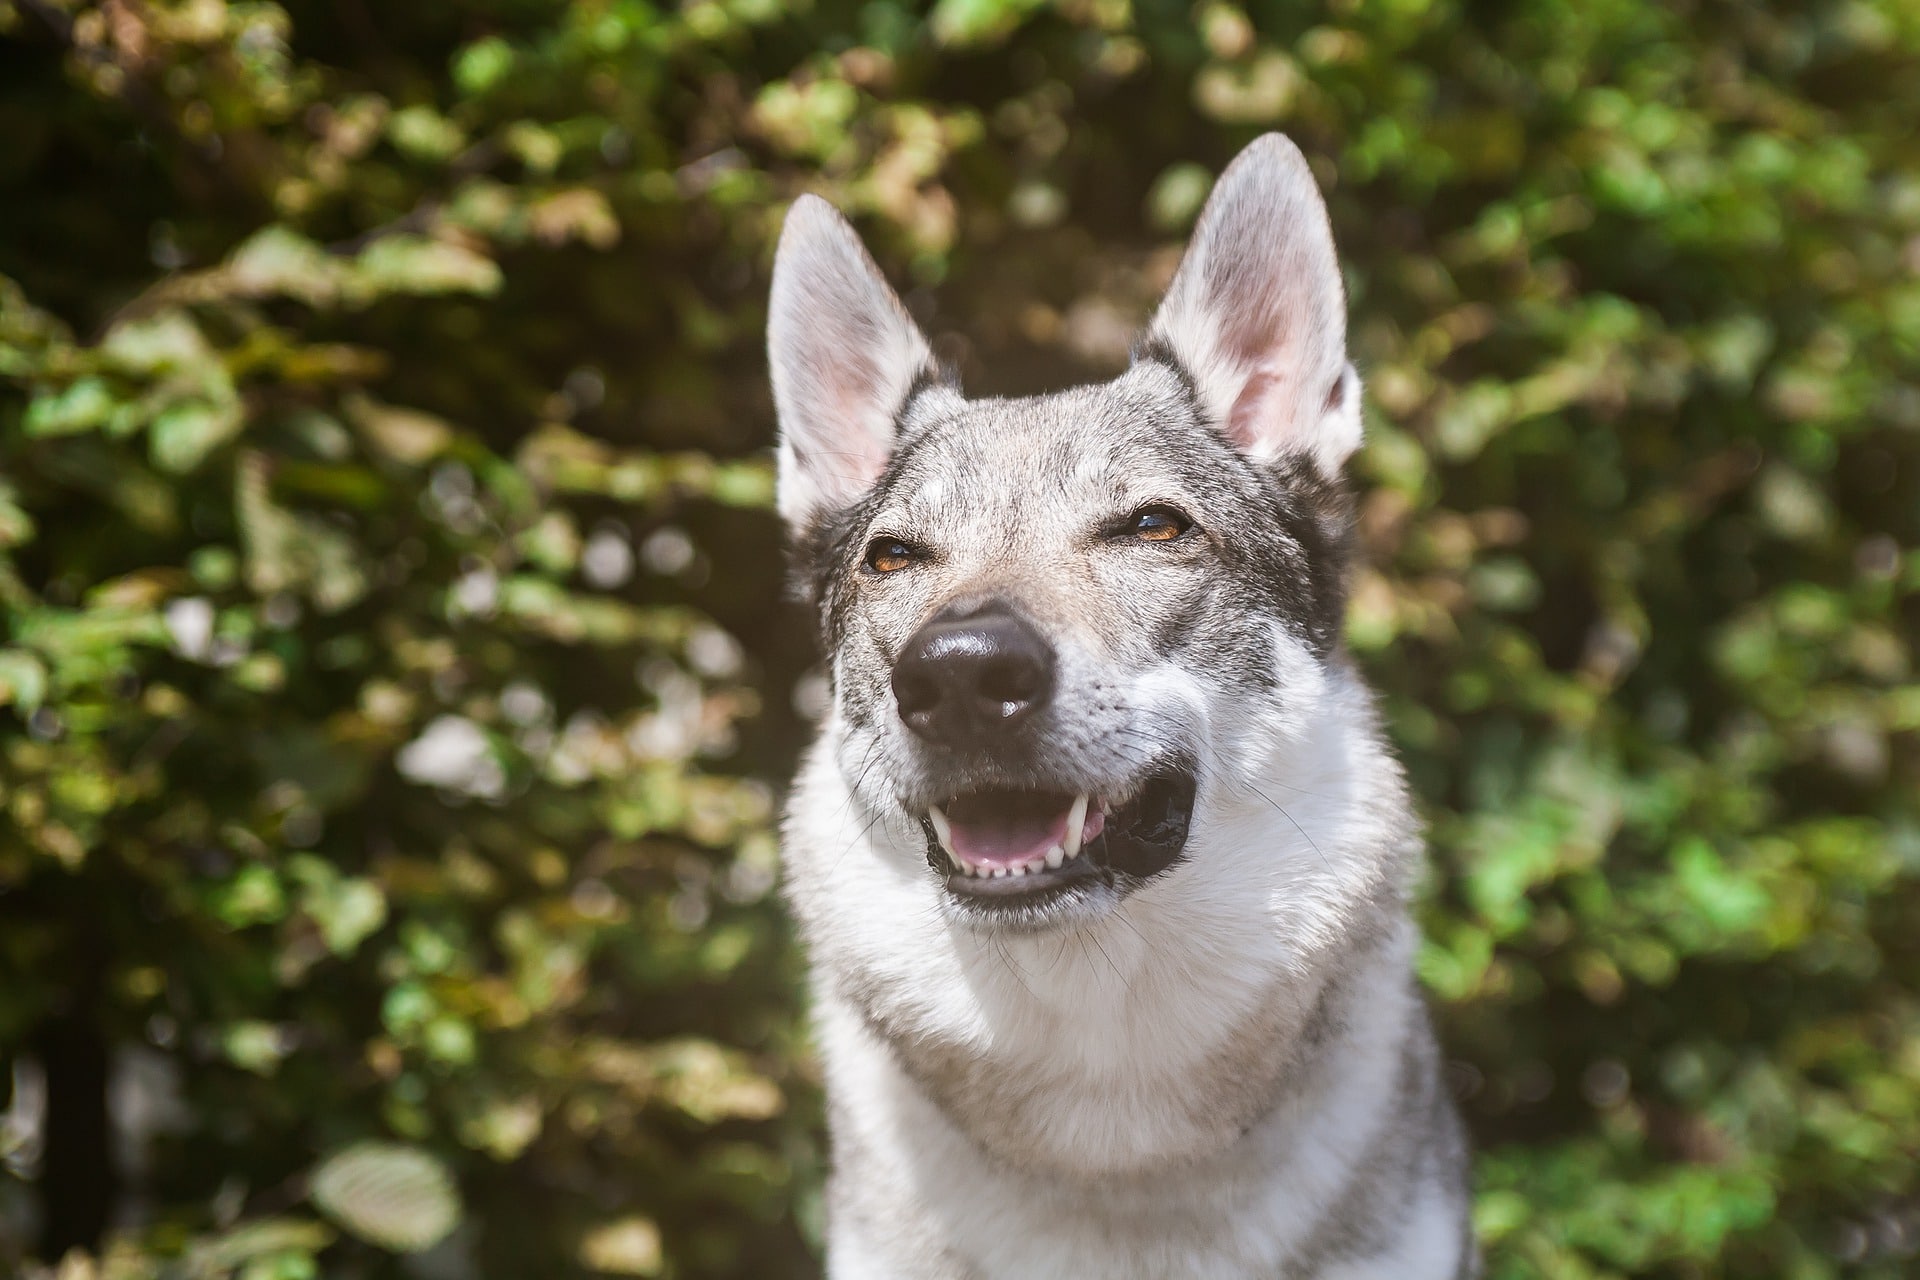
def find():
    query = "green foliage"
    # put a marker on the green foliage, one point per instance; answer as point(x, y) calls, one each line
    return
point(382, 494)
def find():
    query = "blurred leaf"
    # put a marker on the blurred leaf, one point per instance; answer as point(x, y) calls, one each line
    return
point(397, 1197)
point(418, 265)
point(184, 434)
point(628, 1247)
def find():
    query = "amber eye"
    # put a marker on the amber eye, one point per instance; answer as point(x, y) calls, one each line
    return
point(889, 555)
point(1158, 524)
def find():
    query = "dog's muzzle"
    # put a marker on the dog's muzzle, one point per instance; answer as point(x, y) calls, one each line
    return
point(970, 684)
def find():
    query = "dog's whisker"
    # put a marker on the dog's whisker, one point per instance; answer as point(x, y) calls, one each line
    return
point(1296, 825)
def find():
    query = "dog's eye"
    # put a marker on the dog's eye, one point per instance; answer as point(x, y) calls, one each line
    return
point(1158, 524)
point(890, 555)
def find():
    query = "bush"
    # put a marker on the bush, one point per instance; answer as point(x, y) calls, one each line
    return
point(396, 689)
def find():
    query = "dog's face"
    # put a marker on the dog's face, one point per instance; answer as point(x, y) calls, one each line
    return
point(1058, 625)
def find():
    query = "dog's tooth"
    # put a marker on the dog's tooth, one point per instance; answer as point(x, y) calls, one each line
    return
point(1056, 856)
point(943, 832)
point(1076, 824)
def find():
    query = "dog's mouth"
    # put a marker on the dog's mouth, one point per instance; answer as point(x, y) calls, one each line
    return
point(1008, 847)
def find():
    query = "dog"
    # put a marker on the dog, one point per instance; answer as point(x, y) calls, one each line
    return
point(1100, 857)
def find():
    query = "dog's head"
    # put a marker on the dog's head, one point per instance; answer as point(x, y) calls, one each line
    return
point(1058, 625)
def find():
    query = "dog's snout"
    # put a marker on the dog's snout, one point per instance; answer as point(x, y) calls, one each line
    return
point(962, 681)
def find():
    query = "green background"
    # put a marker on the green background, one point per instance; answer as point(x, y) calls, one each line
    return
point(396, 683)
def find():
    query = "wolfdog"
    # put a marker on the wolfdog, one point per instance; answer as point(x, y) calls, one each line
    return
point(1100, 858)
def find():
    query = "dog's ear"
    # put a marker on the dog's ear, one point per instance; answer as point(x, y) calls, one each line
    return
point(1257, 314)
point(844, 356)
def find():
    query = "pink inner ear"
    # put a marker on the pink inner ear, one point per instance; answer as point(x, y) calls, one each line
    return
point(846, 447)
point(1262, 413)
point(864, 457)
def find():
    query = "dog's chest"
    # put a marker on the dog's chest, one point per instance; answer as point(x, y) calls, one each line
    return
point(1099, 1052)
point(1240, 1209)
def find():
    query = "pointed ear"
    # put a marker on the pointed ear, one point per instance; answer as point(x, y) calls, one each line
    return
point(1257, 314)
point(844, 356)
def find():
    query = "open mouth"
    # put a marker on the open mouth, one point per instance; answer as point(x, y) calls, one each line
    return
point(1013, 847)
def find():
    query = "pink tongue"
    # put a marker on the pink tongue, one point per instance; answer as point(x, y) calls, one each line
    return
point(1005, 829)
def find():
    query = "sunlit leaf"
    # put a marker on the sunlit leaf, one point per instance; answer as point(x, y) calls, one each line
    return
point(398, 1197)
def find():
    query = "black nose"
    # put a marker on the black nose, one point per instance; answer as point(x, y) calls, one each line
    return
point(963, 680)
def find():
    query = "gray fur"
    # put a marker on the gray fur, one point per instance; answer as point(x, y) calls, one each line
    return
point(1221, 1069)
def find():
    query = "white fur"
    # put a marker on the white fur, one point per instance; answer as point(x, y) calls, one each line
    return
point(1102, 1027)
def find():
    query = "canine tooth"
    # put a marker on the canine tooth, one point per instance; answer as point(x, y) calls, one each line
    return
point(1056, 856)
point(1076, 823)
point(943, 832)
